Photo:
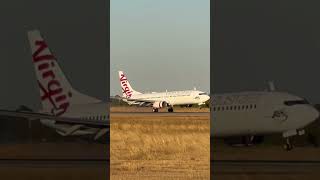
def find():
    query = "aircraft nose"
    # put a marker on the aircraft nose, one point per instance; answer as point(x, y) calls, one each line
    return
point(207, 98)
point(314, 113)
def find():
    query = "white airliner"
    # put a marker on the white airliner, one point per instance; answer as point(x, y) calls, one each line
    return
point(260, 113)
point(160, 99)
point(64, 109)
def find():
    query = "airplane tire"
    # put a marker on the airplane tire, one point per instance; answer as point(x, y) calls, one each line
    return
point(288, 147)
point(155, 110)
point(170, 110)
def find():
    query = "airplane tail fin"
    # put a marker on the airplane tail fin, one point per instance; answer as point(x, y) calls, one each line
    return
point(127, 90)
point(56, 92)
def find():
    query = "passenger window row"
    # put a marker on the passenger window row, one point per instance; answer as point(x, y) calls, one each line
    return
point(235, 107)
point(167, 96)
point(177, 95)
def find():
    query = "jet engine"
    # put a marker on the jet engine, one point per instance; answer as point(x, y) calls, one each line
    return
point(160, 104)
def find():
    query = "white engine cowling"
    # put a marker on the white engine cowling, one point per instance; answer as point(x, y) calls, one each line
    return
point(160, 104)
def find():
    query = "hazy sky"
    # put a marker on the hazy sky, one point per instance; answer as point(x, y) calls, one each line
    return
point(164, 45)
point(160, 44)
point(76, 31)
point(257, 41)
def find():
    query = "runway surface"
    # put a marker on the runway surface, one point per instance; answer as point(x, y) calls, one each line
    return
point(52, 169)
point(161, 114)
point(228, 167)
point(50, 163)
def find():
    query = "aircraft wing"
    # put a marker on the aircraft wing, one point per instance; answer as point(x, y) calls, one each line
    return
point(141, 102)
point(137, 100)
point(29, 115)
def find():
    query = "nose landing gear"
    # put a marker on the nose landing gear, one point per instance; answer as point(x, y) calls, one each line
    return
point(288, 146)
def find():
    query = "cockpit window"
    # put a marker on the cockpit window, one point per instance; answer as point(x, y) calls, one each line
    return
point(202, 93)
point(295, 102)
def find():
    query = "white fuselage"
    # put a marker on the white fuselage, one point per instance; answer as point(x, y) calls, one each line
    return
point(175, 97)
point(253, 113)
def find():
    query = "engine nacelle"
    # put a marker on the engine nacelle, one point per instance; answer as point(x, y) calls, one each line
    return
point(160, 104)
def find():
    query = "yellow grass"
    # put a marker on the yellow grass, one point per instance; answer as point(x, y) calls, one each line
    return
point(160, 147)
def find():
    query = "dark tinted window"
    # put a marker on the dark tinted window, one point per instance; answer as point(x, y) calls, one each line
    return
point(295, 102)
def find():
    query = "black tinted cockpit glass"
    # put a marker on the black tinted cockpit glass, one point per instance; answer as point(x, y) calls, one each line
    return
point(202, 93)
point(295, 102)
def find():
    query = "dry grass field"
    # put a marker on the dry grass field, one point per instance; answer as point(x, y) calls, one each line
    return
point(164, 147)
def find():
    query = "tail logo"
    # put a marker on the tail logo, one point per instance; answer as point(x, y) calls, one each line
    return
point(50, 86)
point(124, 86)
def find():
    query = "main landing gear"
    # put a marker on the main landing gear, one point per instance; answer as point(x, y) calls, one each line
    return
point(288, 145)
point(170, 109)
